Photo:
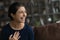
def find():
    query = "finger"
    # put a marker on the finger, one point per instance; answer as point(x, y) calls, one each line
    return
point(19, 37)
point(10, 36)
point(17, 34)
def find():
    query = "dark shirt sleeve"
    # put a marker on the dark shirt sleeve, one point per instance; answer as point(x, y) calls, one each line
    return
point(3, 34)
point(31, 34)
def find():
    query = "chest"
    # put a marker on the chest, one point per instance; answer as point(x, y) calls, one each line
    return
point(24, 34)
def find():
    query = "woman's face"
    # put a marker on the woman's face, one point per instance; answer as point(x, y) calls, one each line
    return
point(20, 15)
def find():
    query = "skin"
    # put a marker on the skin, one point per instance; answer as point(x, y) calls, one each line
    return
point(18, 22)
point(15, 36)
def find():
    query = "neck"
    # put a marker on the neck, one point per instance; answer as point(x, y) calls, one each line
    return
point(16, 25)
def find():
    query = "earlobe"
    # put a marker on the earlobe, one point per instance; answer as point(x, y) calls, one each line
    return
point(12, 15)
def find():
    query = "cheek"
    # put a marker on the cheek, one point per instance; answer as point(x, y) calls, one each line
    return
point(19, 15)
point(23, 15)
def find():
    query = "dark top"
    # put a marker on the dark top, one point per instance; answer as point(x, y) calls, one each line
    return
point(26, 33)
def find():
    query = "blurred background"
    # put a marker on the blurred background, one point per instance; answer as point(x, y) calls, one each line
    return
point(40, 12)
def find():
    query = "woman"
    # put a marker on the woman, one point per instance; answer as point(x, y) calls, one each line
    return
point(17, 29)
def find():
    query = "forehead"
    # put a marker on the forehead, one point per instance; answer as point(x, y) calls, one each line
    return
point(21, 8)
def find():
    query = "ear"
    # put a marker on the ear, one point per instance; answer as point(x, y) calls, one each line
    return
point(12, 14)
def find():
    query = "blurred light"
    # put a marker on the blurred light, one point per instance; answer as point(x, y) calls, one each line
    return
point(58, 21)
point(49, 19)
point(54, 0)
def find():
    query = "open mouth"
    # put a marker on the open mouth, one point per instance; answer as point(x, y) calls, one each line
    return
point(22, 18)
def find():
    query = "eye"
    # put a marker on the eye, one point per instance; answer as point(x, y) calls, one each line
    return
point(21, 11)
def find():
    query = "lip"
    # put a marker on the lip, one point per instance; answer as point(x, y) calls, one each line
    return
point(22, 18)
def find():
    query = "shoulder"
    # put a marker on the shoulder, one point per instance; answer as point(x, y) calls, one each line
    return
point(5, 27)
point(29, 28)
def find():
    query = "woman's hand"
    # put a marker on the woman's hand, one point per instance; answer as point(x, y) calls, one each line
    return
point(15, 36)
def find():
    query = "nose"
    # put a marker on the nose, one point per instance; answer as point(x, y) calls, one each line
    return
point(24, 14)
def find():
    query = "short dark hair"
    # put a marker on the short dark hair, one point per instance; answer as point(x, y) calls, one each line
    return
point(13, 8)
